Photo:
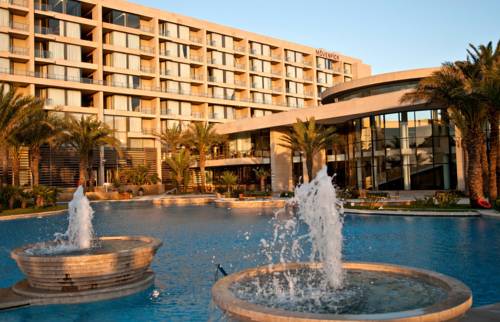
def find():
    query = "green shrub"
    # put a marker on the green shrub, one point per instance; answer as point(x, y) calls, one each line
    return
point(425, 202)
point(348, 193)
point(446, 199)
point(45, 196)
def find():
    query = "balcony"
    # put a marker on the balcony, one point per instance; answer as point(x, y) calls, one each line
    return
point(240, 83)
point(239, 66)
point(20, 3)
point(307, 63)
point(277, 89)
point(276, 57)
point(19, 51)
point(196, 40)
point(43, 54)
point(198, 115)
point(18, 26)
point(148, 49)
point(46, 30)
point(146, 28)
point(196, 77)
point(239, 49)
point(165, 33)
point(198, 59)
point(216, 116)
point(148, 131)
point(213, 79)
point(73, 11)
point(147, 69)
point(165, 53)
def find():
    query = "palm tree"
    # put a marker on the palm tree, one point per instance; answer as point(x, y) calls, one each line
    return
point(262, 175)
point(38, 129)
point(453, 87)
point(85, 135)
point(171, 138)
point(14, 108)
point(487, 59)
point(180, 163)
point(202, 137)
point(309, 139)
point(229, 179)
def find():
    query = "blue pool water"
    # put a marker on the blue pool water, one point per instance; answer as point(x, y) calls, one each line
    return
point(195, 238)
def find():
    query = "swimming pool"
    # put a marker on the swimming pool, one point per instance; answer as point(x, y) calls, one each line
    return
point(195, 238)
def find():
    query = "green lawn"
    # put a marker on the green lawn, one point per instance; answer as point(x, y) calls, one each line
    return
point(20, 211)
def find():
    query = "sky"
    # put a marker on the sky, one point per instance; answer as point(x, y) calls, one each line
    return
point(389, 35)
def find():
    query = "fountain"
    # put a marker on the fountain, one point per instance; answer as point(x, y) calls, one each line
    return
point(78, 267)
point(325, 288)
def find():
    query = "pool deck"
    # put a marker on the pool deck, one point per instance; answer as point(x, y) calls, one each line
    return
point(413, 213)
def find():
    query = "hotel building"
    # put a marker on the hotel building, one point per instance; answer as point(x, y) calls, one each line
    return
point(141, 70)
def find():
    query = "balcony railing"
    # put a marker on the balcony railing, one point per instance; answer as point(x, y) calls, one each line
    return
point(195, 58)
point(212, 79)
point(239, 49)
point(148, 131)
point(18, 26)
point(146, 28)
point(46, 30)
point(196, 40)
point(19, 51)
point(198, 115)
point(43, 53)
point(75, 11)
point(239, 66)
point(165, 53)
point(240, 83)
point(147, 69)
point(148, 49)
point(276, 57)
point(85, 80)
point(307, 63)
point(20, 3)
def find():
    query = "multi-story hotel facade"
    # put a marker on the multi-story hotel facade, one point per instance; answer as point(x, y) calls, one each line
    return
point(141, 70)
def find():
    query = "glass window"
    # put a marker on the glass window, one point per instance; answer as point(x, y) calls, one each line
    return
point(133, 21)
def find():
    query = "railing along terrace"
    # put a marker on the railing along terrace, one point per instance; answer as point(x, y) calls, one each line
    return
point(20, 3)
point(85, 80)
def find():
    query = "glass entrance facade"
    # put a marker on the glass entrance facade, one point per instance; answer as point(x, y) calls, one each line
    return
point(395, 151)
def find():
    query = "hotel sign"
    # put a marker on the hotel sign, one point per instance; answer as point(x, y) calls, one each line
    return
point(327, 54)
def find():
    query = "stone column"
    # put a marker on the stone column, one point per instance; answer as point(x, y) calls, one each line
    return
point(281, 163)
point(460, 161)
point(405, 154)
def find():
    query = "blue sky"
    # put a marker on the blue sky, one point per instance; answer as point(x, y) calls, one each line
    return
point(389, 34)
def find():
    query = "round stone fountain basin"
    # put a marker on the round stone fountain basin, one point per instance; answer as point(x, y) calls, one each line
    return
point(379, 290)
point(117, 261)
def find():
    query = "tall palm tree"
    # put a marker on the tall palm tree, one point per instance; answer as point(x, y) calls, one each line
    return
point(85, 135)
point(309, 139)
point(202, 137)
point(453, 87)
point(487, 60)
point(179, 164)
point(14, 108)
point(171, 138)
point(262, 175)
point(39, 128)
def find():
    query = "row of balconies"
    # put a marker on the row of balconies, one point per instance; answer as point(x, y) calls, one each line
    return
point(86, 80)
